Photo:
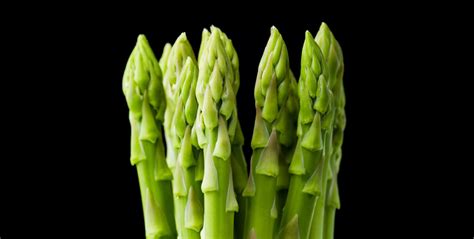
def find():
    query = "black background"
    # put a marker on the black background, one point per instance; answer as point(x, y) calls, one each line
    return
point(67, 170)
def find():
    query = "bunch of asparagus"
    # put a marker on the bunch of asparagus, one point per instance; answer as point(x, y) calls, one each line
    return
point(199, 185)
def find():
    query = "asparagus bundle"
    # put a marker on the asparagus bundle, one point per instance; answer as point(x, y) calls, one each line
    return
point(274, 134)
point(145, 98)
point(180, 83)
point(291, 190)
point(333, 55)
point(216, 130)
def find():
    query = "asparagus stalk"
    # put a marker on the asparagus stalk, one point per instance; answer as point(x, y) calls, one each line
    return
point(216, 122)
point(274, 132)
point(180, 83)
point(283, 178)
point(333, 54)
point(237, 158)
point(145, 98)
point(309, 164)
point(173, 61)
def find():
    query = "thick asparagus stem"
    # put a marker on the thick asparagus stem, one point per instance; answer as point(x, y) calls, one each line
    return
point(333, 55)
point(309, 165)
point(145, 98)
point(274, 132)
point(180, 84)
point(216, 122)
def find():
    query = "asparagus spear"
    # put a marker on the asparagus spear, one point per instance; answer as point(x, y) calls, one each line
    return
point(237, 158)
point(320, 216)
point(180, 83)
point(333, 54)
point(175, 60)
point(283, 175)
point(216, 122)
point(145, 98)
point(309, 163)
point(274, 132)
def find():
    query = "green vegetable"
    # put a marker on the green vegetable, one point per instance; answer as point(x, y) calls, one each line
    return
point(172, 62)
point(145, 98)
point(274, 134)
point(201, 188)
point(237, 158)
point(216, 132)
point(333, 55)
point(180, 82)
point(309, 164)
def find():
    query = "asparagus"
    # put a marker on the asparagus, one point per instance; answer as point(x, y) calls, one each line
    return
point(296, 143)
point(164, 57)
point(215, 129)
point(309, 164)
point(145, 98)
point(180, 83)
point(237, 158)
point(172, 62)
point(333, 54)
point(320, 214)
point(274, 134)
point(204, 39)
point(283, 177)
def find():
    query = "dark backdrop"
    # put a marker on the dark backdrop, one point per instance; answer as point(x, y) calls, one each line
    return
point(70, 174)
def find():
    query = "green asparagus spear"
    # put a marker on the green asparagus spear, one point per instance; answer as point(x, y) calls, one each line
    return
point(333, 54)
point(309, 164)
point(318, 223)
point(180, 83)
point(283, 175)
point(175, 61)
point(215, 126)
point(145, 98)
point(274, 134)
point(238, 163)
point(237, 158)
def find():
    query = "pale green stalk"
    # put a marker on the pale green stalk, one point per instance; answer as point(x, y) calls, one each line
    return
point(180, 84)
point(309, 164)
point(333, 55)
point(274, 134)
point(215, 129)
point(145, 98)
point(238, 162)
